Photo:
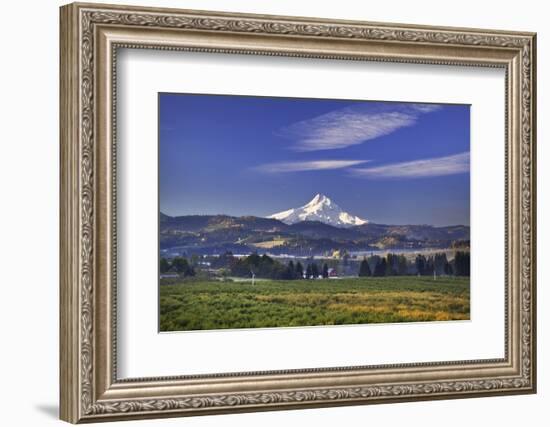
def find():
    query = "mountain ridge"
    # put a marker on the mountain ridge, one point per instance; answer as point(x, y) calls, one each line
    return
point(215, 234)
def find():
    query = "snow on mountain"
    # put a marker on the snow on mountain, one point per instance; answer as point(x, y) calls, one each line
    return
point(322, 209)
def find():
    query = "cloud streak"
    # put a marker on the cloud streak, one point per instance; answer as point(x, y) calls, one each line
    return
point(439, 166)
point(312, 165)
point(354, 125)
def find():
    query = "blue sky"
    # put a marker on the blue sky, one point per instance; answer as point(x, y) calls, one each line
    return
point(388, 162)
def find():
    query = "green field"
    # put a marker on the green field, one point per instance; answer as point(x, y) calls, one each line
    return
point(201, 305)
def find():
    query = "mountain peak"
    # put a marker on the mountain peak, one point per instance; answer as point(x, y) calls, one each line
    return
point(319, 198)
point(322, 209)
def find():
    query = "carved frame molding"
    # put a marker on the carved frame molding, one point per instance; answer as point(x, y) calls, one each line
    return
point(90, 36)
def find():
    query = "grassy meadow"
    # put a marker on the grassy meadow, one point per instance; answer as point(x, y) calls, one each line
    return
point(202, 304)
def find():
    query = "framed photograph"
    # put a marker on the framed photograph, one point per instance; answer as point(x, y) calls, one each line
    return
point(266, 212)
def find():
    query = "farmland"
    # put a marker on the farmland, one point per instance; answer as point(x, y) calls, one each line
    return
point(201, 304)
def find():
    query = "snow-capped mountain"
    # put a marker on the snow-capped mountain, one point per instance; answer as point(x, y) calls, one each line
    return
point(322, 209)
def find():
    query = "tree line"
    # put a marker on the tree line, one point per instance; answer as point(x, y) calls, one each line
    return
point(398, 265)
point(178, 265)
point(264, 266)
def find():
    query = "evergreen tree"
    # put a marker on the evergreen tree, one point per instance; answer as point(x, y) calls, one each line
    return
point(325, 271)
point(299, 270)
point(314, 270)
point(402, 265)
point(383, 267)
point(253, 260)
point(267, 267)
point(164, 265)
point(420, 263)
point(181, 265)
point(373, 260)
point(380, 269)
point(429, 271)
point(466, 263)
point(291, 270)
point(266, 259)
point(440, 261)
point(364, 269)
point(287, 273)
point(309, 272)
point(390, 264)
point(462, 263)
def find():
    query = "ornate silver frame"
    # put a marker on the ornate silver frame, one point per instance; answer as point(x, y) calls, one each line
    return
point(90, 36)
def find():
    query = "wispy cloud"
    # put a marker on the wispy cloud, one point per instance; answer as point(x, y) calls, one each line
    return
point(354, 125)
point(438, 166)
point(312, 165)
